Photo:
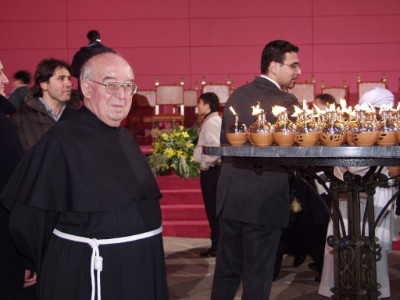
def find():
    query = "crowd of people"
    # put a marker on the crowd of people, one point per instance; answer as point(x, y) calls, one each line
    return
point(80, 213)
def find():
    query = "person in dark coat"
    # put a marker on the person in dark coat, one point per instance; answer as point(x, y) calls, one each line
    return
point(253, 199)
point(16, 280)
point(84, 203)
point(21, 86)
point(85, 53)
point(45, 102)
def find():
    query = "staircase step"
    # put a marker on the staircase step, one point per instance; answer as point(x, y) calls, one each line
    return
point(198, 229)
point(171, 182)
point(182, 196)
point(183, 212)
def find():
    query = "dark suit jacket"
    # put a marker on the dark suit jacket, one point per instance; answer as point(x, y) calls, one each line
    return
point(254, 193)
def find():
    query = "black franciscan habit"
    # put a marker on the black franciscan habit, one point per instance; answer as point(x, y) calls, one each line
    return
point(88, 179)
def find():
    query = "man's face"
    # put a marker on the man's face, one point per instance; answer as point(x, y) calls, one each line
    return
point(110, 108)
point(288, 71)
point(58, 88)
point(3, 80)
point(203, 108)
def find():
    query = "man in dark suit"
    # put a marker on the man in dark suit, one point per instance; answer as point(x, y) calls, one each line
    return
point(253, 199)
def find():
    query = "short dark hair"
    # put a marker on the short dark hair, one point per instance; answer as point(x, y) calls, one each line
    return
point(45, 69)
point(275, 51)
point(24, 76)
point(326, 99)
point(211, 99)
point(93, 35)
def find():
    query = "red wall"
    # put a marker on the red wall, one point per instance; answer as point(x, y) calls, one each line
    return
point(192, 38)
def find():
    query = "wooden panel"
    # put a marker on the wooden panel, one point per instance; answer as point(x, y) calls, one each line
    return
point(127, 9)
point(355, 7)
point(251, 8)
point(357, 58)
point(158, 61)
point(34, 35)
point(43, 11)
point(205, 32)
point(356, 29)
point(131, 33)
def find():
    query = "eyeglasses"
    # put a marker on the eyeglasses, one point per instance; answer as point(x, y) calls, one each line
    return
point(294, 66)
point(130, 88)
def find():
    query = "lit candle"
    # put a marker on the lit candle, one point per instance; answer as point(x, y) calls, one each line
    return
point(232, 110)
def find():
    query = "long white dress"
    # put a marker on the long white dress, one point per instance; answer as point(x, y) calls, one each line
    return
point(386, 232)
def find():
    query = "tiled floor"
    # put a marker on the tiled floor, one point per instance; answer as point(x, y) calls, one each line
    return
point(190, 276)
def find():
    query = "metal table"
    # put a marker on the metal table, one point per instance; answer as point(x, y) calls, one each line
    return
point(356, 250)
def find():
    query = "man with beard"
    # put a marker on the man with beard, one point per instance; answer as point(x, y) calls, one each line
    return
point(253, 199)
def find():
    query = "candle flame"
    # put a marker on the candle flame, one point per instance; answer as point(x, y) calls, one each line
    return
point(317, 109)
point(232, 110)
point(297, 111)
point(257, 110)
point(305, 107)
point(277, 110)
point(343, 104)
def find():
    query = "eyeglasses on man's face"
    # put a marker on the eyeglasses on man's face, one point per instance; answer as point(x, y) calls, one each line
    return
point(293, 66)
point(130, 88)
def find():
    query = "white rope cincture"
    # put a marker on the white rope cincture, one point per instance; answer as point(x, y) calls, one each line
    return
point(96, 262)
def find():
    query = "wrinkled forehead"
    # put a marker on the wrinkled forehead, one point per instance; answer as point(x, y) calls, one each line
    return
point(113, 67)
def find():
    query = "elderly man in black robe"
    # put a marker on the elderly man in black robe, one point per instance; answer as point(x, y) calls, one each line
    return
point(84, 203)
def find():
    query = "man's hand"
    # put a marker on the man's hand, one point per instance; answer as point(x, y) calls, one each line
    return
point(30, 278)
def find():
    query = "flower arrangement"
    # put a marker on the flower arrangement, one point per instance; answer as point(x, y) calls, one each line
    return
point(173, 149)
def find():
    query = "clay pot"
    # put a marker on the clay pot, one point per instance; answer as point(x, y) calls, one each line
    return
point(284, 139)
point(307, 139)
point(262, 138)
point(387, 138)
point(367, 138)
point(332, 139)
point(236, 138)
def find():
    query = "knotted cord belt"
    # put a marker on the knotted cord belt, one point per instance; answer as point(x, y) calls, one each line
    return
point(96, 262)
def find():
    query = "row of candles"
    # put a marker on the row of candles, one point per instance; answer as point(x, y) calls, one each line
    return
point(335, 126)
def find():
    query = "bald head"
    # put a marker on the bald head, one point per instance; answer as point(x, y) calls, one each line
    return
point(108, 104)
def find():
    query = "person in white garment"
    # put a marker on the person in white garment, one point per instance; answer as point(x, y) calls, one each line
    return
point(210, 166)
point(386, 229)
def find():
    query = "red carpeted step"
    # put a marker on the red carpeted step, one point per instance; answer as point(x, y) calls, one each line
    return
point(182, 196)
point(396, 244)
point(198, 229)
point(183, 212)
point(172, 182)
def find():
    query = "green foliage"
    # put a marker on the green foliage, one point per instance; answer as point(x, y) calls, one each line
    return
point(173, 149)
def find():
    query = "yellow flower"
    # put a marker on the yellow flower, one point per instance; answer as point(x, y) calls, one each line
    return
point(179, 153)
point(185, 134)
point(169, 152)
point(164, 136)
